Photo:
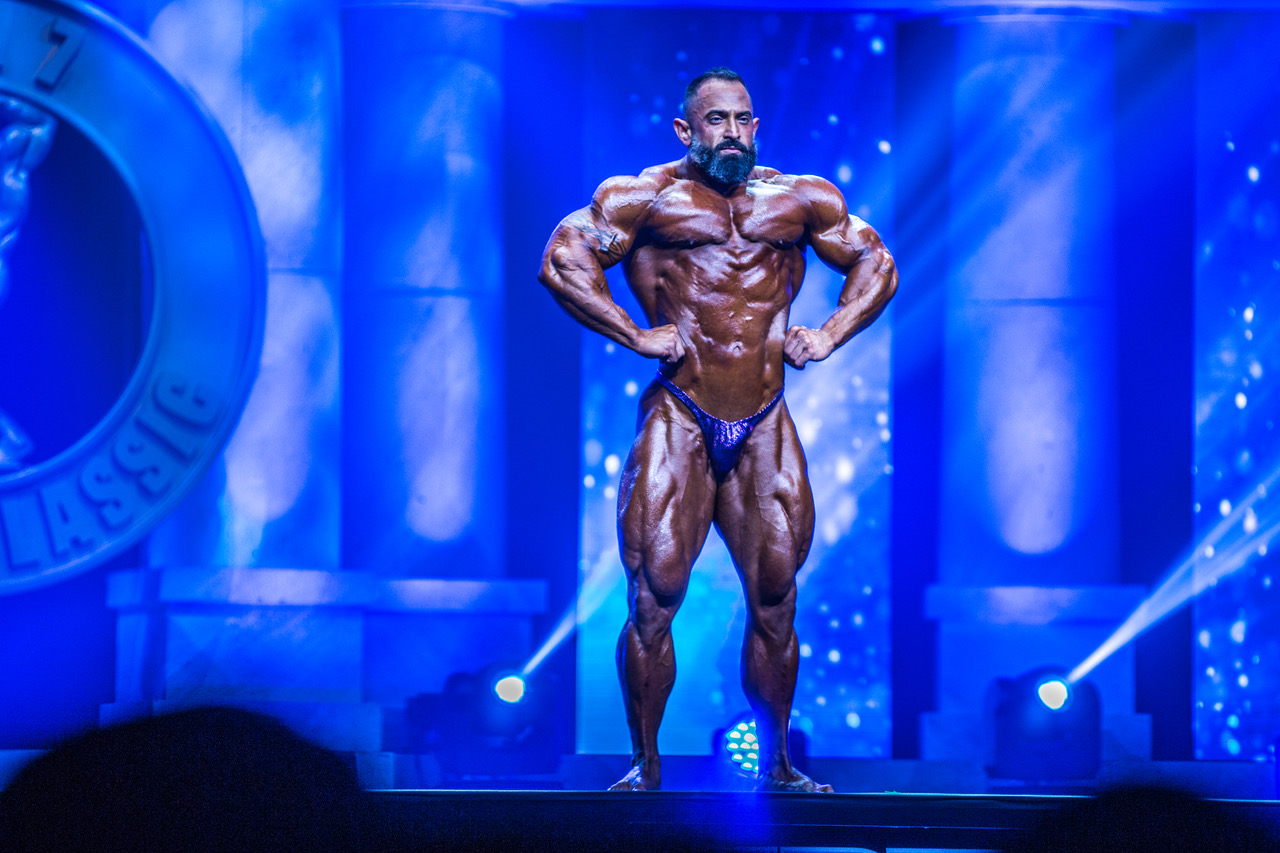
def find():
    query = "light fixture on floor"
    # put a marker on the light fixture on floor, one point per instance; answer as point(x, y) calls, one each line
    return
point(491, 724)
point(1045, 728)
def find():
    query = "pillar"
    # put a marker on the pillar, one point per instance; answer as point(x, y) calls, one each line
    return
point(1028, 527)
point(423, 296)
point(265, 519)
point(268, 71)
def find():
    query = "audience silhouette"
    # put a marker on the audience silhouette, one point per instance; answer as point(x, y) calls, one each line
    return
point(205, 778)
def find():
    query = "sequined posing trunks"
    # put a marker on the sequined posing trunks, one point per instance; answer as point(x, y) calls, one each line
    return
point(725, 439)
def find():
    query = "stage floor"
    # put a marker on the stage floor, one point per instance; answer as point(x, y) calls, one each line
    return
point(700, 821)
point(1232, 780)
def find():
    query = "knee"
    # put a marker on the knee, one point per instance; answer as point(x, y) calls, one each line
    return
point(775, 588)
point(652, 619)
point(662, 576)
point(773, 609)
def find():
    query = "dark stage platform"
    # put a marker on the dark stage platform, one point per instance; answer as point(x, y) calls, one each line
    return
point(667, 821)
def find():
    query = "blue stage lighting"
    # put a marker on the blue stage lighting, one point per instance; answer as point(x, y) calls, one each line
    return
point(510, 689)
point(1045, 729)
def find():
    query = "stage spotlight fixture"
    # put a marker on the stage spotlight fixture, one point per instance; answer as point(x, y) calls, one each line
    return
point(1054, 693)
point(493, 724)
point(739, 744)
point(742, 747)
point(509, 688)
point(1044, 728)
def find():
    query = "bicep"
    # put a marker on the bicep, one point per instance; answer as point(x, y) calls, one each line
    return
point(587, 234)
point(837, 238)
point(606, 229)
point(842, 243)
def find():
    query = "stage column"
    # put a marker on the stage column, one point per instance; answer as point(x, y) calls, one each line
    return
point(424, 334)
point(423, 290)
point(1028, 526)
point(269, 72)
point(233, 607)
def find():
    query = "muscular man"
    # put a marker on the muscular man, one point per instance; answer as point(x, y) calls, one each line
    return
point(713, 248)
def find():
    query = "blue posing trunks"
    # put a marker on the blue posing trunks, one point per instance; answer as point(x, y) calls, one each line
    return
point(725, 439)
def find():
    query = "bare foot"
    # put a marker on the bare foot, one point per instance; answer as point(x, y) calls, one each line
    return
point(797, 783)
point(635, 781)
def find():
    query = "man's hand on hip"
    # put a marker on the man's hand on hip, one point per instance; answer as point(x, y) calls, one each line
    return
point(805, 345)
point(662, 343)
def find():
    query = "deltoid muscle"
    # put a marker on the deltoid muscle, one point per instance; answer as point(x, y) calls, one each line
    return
point(26, 133)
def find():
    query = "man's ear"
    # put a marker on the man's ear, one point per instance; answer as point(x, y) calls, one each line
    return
point(683, 130)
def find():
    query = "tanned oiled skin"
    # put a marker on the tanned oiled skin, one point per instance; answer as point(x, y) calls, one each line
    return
point(715, 269)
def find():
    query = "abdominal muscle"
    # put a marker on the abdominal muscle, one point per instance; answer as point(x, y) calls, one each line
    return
point(732, 317)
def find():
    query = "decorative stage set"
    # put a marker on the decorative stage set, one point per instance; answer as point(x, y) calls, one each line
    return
point(288, 423)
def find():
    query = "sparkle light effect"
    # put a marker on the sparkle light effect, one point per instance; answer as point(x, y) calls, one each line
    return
point(1236, 686)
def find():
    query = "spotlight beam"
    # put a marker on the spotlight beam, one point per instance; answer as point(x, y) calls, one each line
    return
point(600, 581)
point(1200, 569)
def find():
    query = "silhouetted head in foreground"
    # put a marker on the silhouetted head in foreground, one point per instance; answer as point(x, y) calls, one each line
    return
point(209, 778)
point(1147, 819)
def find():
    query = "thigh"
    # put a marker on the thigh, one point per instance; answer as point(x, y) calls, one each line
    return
point(764, 510)
point(666, 498)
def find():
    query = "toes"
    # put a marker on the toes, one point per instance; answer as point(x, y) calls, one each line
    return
point(633, 781)
point(800, 784)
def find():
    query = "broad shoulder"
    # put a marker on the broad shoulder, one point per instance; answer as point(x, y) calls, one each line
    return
point(629, 189)
point(624, 199)
point(664, 173)
point(822, 200)
point(810, 188)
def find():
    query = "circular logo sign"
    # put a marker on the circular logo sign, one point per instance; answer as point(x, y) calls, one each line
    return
point(207, 274)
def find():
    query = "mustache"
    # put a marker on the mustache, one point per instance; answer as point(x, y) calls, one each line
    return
point(732, 143)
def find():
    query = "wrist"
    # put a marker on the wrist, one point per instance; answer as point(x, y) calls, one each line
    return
point(633, 338)
point(828, 339)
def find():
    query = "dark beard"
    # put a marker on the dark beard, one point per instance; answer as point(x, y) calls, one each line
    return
point(723, 170)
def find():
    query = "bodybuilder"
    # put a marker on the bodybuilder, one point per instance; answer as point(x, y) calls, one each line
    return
point(713, 248)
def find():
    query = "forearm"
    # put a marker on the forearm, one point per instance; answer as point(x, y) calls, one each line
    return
point(584, 295)
point(868, 287)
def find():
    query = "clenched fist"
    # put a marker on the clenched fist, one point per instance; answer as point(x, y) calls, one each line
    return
point(805, 345)
point(662, 343)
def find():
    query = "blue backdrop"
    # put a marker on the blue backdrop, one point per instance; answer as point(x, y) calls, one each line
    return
point(423, 409)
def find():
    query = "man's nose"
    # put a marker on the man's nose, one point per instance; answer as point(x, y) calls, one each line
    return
point(732, 129)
